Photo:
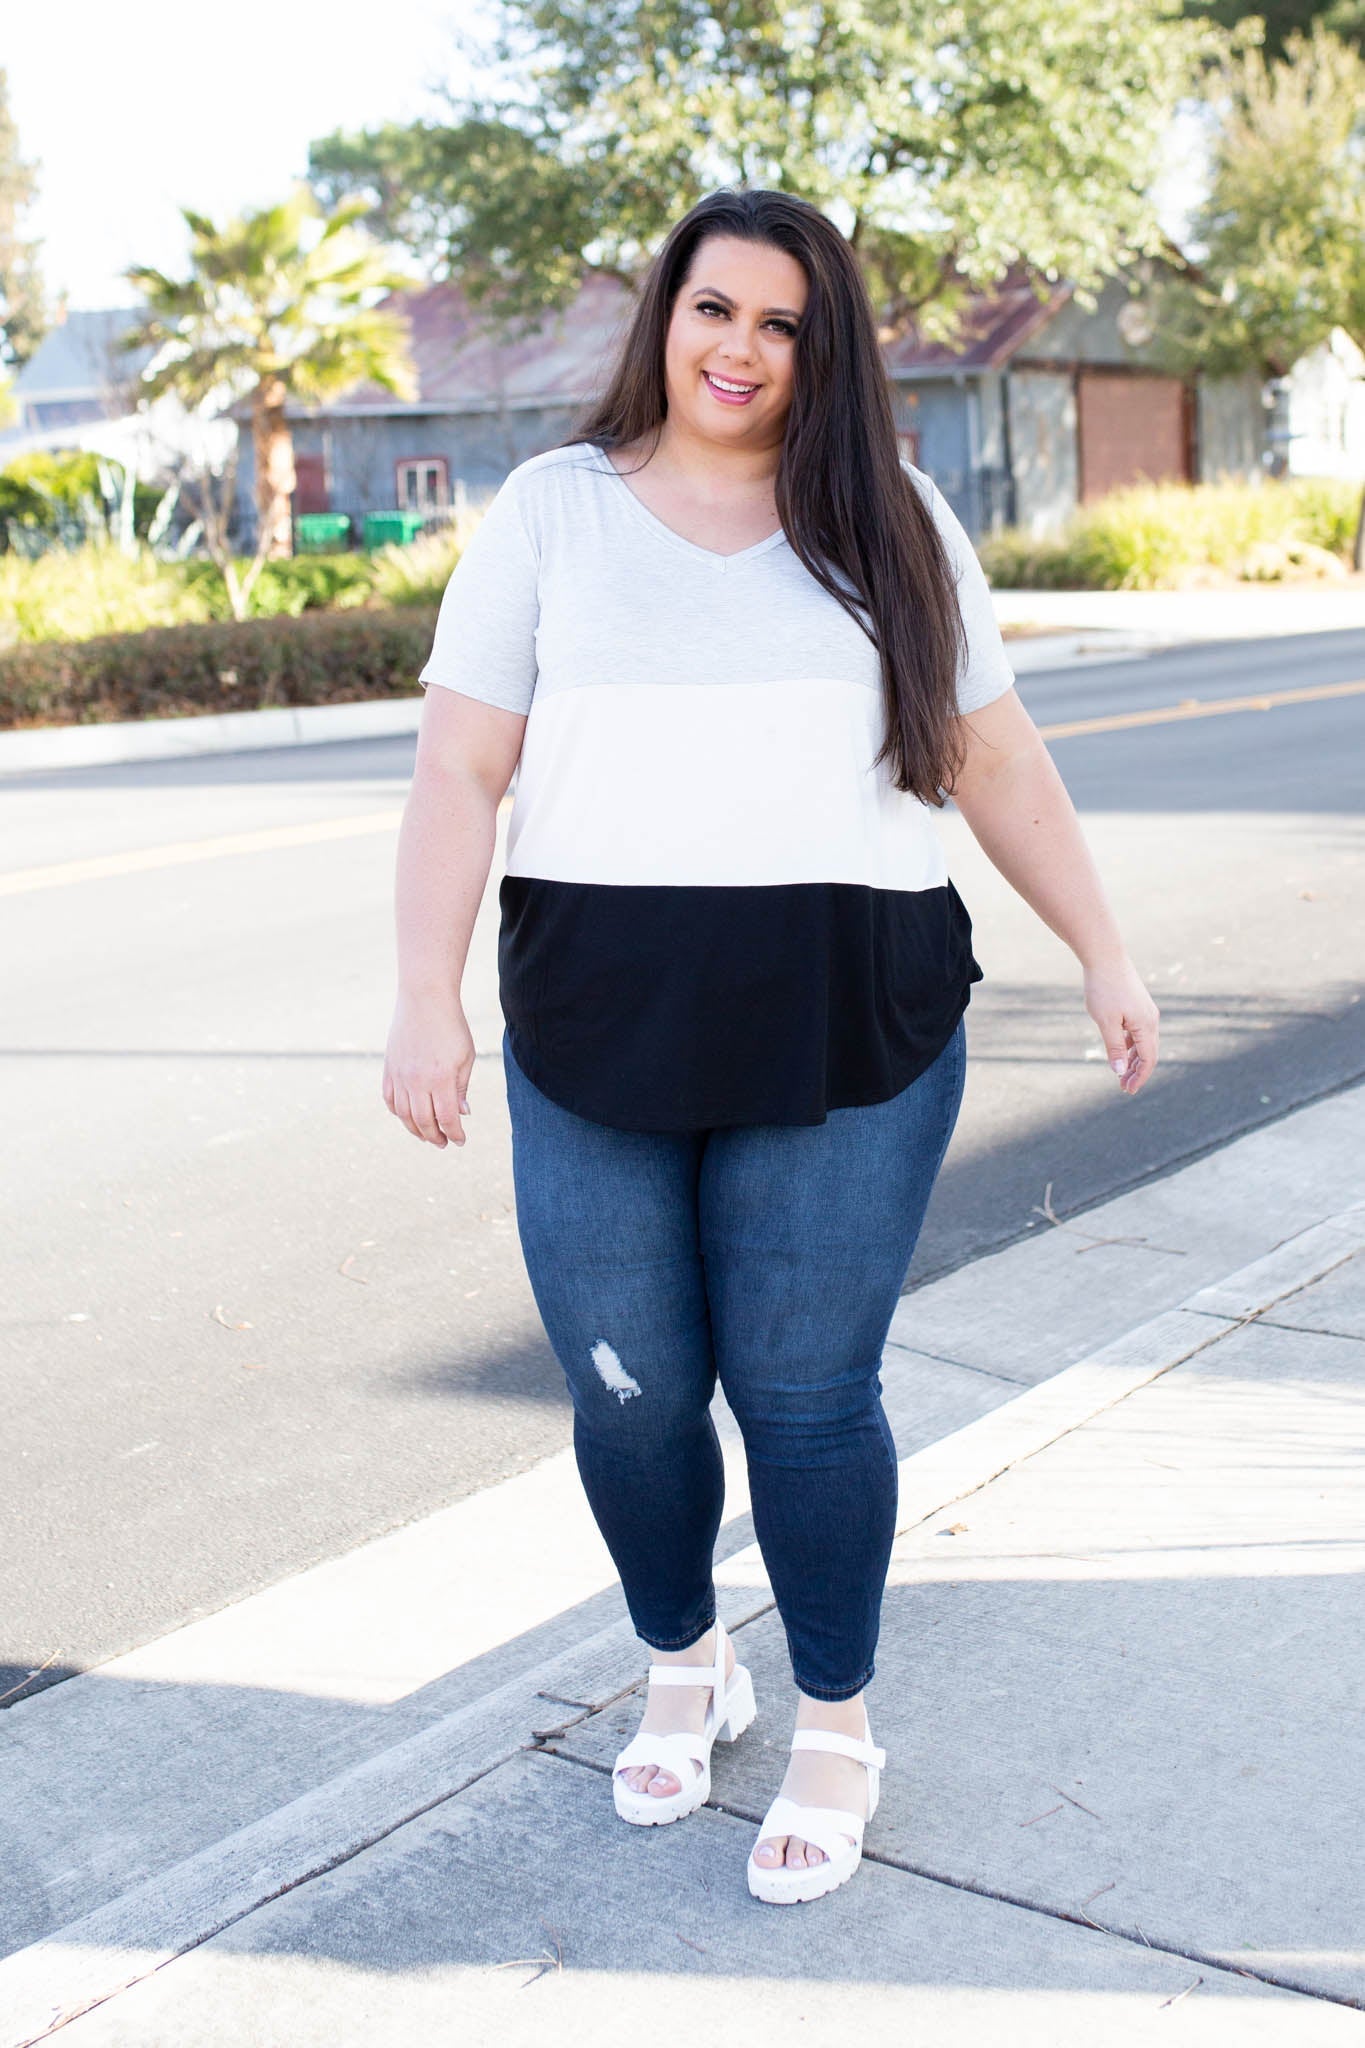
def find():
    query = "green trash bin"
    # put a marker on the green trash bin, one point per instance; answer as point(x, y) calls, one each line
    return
point(322, 533)
point(386, 529)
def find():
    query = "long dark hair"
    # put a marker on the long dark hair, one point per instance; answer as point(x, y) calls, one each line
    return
point(844, 499)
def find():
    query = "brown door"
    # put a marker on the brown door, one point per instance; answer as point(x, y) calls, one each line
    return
point(1132, 430)
point(310, 484)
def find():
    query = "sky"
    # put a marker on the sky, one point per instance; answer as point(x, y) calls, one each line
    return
point(136, 111)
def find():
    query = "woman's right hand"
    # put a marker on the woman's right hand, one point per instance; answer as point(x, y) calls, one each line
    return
point(427, 1065)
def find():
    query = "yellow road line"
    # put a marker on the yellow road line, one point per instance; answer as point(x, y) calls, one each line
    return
point(1195, 707)
point(180, 851)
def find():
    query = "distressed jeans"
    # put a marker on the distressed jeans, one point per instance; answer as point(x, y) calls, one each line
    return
point(771, 1257)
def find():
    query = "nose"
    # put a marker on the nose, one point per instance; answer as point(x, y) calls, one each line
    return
point(738, 347)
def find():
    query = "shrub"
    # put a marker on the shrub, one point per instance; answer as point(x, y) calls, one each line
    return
point(56, 492)
point(73, 593)
point(1159, 536)
point(300, 583)
point(176, 671)
point(68, 594)
point(419, 572)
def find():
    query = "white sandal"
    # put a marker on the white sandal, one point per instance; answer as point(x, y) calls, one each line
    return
point(829, 1827)
point(686, 1755)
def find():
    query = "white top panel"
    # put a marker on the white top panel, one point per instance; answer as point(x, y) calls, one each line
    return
point(767, 782)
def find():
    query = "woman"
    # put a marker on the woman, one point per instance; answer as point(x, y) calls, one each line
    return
point(735, 650)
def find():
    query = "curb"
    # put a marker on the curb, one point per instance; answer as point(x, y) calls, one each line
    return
point(214, 732)
point(1029, 653)
point(93, 1958)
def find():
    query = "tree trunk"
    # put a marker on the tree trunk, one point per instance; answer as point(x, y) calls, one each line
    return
point(274, 450)
point(1358, 550)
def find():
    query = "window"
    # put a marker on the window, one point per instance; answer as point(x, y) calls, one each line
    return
point(423, 484)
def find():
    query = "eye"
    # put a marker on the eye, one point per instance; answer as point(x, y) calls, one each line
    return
point(712, 306)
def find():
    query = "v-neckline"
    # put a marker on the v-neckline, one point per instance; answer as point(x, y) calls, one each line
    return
point(678, 540)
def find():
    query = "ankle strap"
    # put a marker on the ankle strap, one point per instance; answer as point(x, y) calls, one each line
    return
point(862, 1752)
point(696, 1674)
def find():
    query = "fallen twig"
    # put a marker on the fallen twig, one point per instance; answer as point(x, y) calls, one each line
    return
point(32, 1674)
point(1180, 1994)
point(540, 1964)
point(217, 1316)
point(1040, 1816)
point(1077, 1802)
point(1144, 1244)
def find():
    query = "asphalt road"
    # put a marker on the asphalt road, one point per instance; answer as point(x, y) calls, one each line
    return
point(247, 1321)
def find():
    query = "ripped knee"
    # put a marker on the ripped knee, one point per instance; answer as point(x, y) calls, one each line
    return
point(612, 1373)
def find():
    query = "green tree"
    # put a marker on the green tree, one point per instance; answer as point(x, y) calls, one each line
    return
point(1283, 223)
point(948, 140)
point(23, 306)
point(1283, 18)
point(273, 313)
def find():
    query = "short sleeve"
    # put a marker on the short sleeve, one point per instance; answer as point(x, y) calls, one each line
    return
point(485, 643)
point(986, 673)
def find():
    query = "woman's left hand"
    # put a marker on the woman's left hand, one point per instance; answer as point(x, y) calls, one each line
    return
point(1126, 1018)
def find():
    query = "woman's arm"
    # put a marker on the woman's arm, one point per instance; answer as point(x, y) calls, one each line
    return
point(1017, 808)
point(466, 752)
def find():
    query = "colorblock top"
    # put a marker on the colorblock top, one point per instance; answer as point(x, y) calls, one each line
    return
point(715, 910)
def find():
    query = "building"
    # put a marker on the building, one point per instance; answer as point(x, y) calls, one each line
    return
point(1317, 424)
point(1043, 405)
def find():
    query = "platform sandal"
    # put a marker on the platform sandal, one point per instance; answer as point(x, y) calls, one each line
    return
point(829, 1827)
point(686, 1754)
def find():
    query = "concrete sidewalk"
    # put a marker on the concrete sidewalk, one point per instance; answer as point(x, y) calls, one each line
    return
point(1238, 611)
point(1119, 1685)
point(1054, 629)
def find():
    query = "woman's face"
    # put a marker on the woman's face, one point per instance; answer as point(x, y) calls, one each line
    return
point(734, 320)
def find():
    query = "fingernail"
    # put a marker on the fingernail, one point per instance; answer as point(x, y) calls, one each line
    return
point(1119, 1066)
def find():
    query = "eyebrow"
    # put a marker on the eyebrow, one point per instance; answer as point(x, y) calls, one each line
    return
point(710, 291)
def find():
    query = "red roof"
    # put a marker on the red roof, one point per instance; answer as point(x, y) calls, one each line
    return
point(994, 326)
point(461, 362)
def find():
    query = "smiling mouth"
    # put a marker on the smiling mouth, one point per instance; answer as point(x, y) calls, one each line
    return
point(725, 384)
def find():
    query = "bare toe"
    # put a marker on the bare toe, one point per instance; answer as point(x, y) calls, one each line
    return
point(664, 1785)
point(772, 1852)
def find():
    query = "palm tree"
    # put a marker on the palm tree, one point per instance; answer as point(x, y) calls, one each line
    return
point(263, 315)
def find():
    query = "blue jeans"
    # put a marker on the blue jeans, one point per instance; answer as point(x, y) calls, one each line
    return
point(770, 1256)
